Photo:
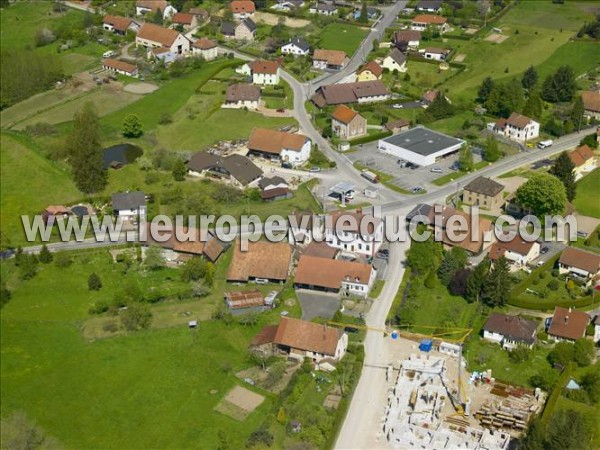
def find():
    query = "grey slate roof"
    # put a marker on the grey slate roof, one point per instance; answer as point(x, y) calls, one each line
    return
point(485, 186)
point(398, 56)
point(512, 327)
point(423, 141)
point(238, 166)
point(421, 211)
point(265, 181)
point(128, 200)
point(300, 43)
point(228, 28)
point(249, 23)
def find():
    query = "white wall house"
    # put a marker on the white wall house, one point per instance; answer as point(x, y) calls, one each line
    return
point(297, 157)
point(517, 251)
point(278, 145)
point(518, 127)
point(510, 331)
point(263, 72)
point(128, 205)
point(396, 60)
point(143, 8)
point(436, 54)
point(205, 48)
point(296, 46)
point(579, 264)
point(153, 36)
point(349, 238)
point(357, 287)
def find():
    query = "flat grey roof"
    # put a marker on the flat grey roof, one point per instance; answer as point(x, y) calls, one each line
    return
point(342, 187)
point(423, 141)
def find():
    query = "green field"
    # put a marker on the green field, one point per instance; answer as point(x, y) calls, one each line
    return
point(29, 183)
point(536, 32)
point(587, 200)
point(347, 38)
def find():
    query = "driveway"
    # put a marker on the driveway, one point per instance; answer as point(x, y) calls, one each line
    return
point(317, 304)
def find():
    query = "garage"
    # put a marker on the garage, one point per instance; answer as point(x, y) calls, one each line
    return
point(420, 145)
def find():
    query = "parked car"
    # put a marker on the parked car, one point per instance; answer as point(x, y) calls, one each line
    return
point(280, 110)
point(286, 165)
point(397, 106)
point(436, 170)
point(383, 253)
point(544, 250)
point(416, 189)
point(455, 166)
point(314, 169)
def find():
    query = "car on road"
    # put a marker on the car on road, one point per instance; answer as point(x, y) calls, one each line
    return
point(436, 170)
point(286, 165)
point(582, 234)
point(314, 169)
point(416, 189)
point(280, 110)
point(384, 253)
point(544, 250)
point(397, 106)
point(455, 166)
point(412, 166)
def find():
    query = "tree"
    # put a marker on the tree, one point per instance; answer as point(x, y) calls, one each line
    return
point(458, 283)
point(563, 170)
point(157, 17)
point(491, 152)
point(27, 266)
point(194, 269)
point(45, 255)
point(364, 15)
point(487, 85)
point(132, 126)
point(465, 159)
point(94, 282)
point(519, 354)
point(530, 78)
point(534, 106)
point(454, 259)
point(424, 256)
point(497, 286)
point(567, 430)
point(179, 170)
point(590, 381)
point(559, 86)
point(577, 112)
point(505, 98)
point(542, 194)
point(85, 152)
point(583, 352)
point(476, 281)
point(62, 260)
point(591, 29)
point(439, 108)
point(561, 354)
point(136, 317)
point(260, 436)
point(533, 439)
point(154, 257)
point(590, 140)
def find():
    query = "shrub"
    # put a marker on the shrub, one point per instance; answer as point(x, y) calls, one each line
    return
point(430, 280)
point(260, 436)
point(519, 354)
point(94, 282)
point(554, 284)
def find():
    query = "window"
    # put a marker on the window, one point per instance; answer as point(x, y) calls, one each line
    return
point(367, 247)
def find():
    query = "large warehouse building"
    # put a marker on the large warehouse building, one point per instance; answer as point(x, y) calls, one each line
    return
point(420, 145)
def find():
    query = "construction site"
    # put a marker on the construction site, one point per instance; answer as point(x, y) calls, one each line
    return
point(434, 403)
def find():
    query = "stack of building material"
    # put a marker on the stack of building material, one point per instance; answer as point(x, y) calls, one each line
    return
point(510, 412)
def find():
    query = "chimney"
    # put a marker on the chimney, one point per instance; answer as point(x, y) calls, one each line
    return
point(566, 319)
point(570, 309)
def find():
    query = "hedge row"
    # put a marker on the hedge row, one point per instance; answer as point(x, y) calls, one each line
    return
point(556, 393)
point(273, 94)
point(371, 138)
point(548, 305)
point(524, 284)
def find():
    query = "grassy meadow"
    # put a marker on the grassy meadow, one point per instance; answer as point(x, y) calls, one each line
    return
point(587, 201)
point(347, 38)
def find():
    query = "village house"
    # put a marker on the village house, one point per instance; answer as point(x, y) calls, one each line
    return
point(245, 30)
point(242, 95)
point(236, 169)
point(263, 72)
point(153, 36)
point(120, 25)
point(343, 231)
point(186, 20)
point(128, 205)
point(278, 145)
point(274, 188)
point(583, 159)
point(568, 324)
point(181, 244)
point(430, 6)
point(591, 104)
point(227, 30)
point(54, 212)
point(320, 250)
point(395, 61)
point(579, 264)
point(334, 275)
point(301, 226)
point(369, 72)
point(145, 7)
point(263, 262)
point(510, 331)
point(205, 48)
point(517, 250)
point(301, 339)
point(121, 67)
point(429, 96)
point(347, 123)
point(359, 92)
point(242, 9)
point(437, 54)
point(484, 192)
point(597, 329)
point(200, 13)
point(372, 13)
point(518, 127)
point(396, 126)
point(407, 40)
point(422, 22)
point(324, 9)
point(296, 46)
point(329, 59)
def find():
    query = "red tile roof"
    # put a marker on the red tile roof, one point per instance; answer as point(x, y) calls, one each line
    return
point(118, 23)
point(271, 141)
point(307, 336)
point(264, 66)
point(516, 245)
point(244, 299)
point(116, 64)
point(153, 5)
point(333, 57)
point(580, 155)
point(344, 114)
point(373, 67)
point(429, 19)
point(407, 36)
point(568, 323)
point(518, 120)
point(579, 259)
point(182, 18)
point(242, 6)
point(591, 100)
point(262, 260)
point(155, 33)
point(329, 273)
point(204, 44)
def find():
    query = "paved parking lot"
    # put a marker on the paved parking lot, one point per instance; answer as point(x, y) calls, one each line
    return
point(317, 304)
point(405, 178)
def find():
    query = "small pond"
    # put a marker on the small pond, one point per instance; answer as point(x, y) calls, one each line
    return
point(120, 155)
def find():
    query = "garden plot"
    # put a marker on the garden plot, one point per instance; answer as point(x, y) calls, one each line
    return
point(239, 403)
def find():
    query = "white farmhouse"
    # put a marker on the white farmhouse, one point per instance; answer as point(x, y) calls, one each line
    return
point(278, 145)
point(517, 250)
point(296, 46)
point(206, 48)
point(153, 36)
point(128, 205)
point(518, 127)
point(395, 61)
point(343, 231)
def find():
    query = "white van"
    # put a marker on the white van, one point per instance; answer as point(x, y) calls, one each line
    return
point(108, 54)
point(545, 144)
